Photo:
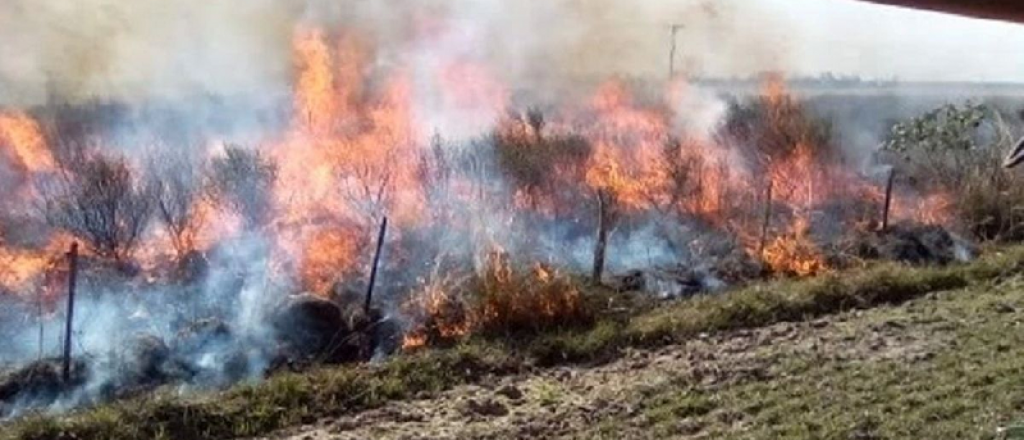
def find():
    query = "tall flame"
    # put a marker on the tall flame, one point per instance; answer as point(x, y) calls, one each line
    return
point(23, 136)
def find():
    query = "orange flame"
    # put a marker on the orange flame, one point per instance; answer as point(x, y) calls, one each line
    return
point(23, 136)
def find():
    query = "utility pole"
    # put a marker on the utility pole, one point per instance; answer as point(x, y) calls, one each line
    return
point(672, 51)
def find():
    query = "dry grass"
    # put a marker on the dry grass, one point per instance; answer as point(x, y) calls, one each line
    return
point(502, 300)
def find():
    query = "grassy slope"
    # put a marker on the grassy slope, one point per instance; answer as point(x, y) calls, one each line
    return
point(899, 398)
point(965, 384)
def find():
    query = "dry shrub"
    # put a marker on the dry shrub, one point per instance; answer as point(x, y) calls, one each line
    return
point(438, 311)
point(773, 127)
point(502, 299)
point(242, 180)
point(512, 300)
point(101, 201)
point(539, 163)
point(177, 187)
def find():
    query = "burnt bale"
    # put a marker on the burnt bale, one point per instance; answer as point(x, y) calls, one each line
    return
point(149, 356)
point(314, 328)
point(153, 362)
point(909, 243)
point(200, 348)
point(735, 267)
point(680, 282)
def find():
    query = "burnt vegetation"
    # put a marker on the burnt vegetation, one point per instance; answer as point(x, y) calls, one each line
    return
point(101, 200)
point(242, 180)
point(177, 191)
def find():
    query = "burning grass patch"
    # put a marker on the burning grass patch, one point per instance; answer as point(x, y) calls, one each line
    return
point(789, 300)
point(504, 299)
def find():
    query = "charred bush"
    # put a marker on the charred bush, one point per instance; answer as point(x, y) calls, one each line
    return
point(535, 161)
point(774, 127)
point(907, 243)
point(177, 189)
point(100, 200)
point(242, 181)
point(39, 383)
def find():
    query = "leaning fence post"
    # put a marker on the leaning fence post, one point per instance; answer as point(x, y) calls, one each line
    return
point(603, 202)
point(373, 268)
point(766, 220)
point(72, 274)
point(888, 199)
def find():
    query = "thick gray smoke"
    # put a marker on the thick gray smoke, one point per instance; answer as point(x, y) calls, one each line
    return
point(150, 49)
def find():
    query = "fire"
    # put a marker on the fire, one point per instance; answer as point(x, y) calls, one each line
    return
point(23, 135)
point(501, 298)
point(439, 312)
point(327, 256)
point(317, 105)
point(794, 253)
point(24, 271)
point(357, 141)
point(627, 142)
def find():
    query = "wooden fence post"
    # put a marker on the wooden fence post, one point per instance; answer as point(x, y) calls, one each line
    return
point(72, 275)
point(376, 262)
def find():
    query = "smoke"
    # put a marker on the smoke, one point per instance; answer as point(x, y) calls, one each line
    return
point(212, 332)
point(112, 50)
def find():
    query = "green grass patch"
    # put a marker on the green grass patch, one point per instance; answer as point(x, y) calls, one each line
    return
point(969, 386)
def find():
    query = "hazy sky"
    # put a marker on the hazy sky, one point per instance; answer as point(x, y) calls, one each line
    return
point(850, 37)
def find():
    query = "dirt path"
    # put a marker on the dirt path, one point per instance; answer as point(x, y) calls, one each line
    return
point(608, 401)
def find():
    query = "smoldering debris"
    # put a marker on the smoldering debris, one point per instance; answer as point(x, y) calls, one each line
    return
point(907, 243)
point(915, 244)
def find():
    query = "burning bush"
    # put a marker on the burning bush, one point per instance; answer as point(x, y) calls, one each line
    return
point(502, 299)
point(774, 126)
point(959, 150)
point(510, 299)
point(538, 163)
point(100, 200)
